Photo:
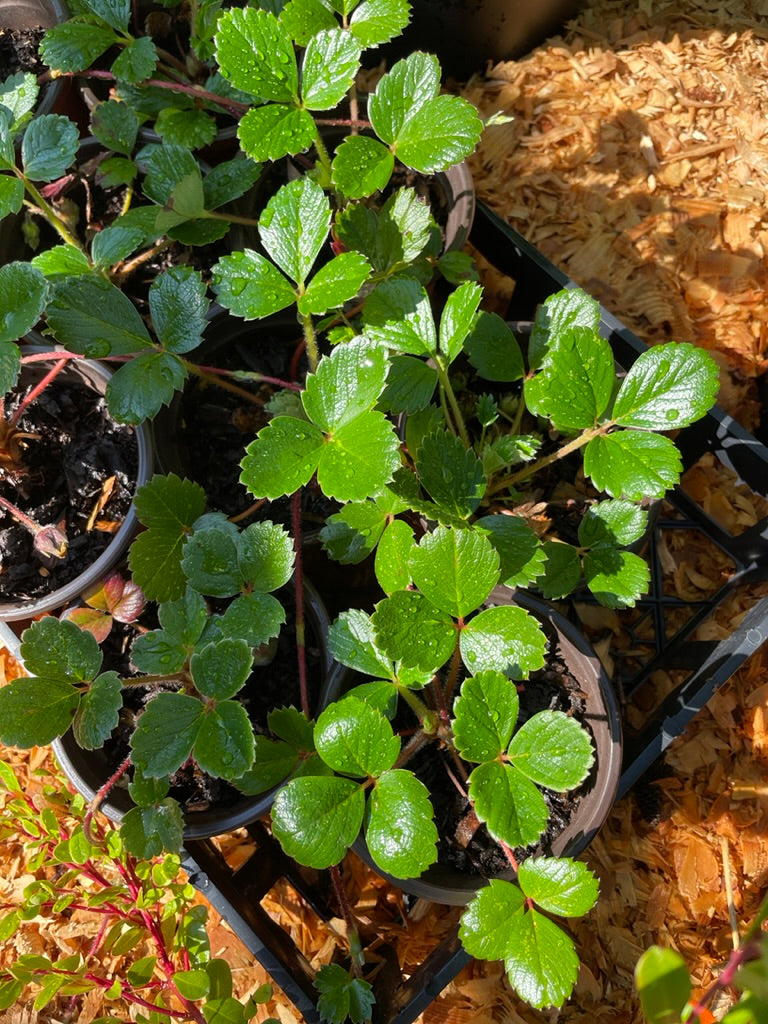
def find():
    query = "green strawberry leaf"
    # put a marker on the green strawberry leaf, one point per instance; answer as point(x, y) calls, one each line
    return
point(562, 570)
point(633, 464)
point(559, 885)
point(219, 670)
point(138, 389)
point(10, 364)
point(343, 998)
point(553, 750)
point(493, 350)
point(18, 95)
point(374, 22)
point(255, 53)
point(361, 166)
point(97, 714)
point(93, 317)
point(74, 46)
point(148, 831)
point(542, 964)
point(485, 924)
point(229, 180)
point(331, 61)
point(616, 578)
point(116, 13)
point(405, 89)
point(568, 308)
point(275, 131)
point(441, 133)
point(458, 318)
point(224, 745)
point(116, 126)
point(393, 557)
point(11, 194)
point(61, 260)
point(137, 61)
point(273, 763)
point(160, 651)
point(59, 650)
point(282, 458)
point(520, 551)
point(294, 226)
point(359, 458)
point(575, 382)
point(411, 383)
point(210, 562)
point(667, 387)
point(508, 802)
point(612, 523)
point(49, 147)
point(503, 639)
point(191, 128)
point(35, 711)
point(335, 283)
point(345, 385)
point(305, 18)
point(451, 474)
point(23, 291)
point(664, 985)
point(179, 306)
point(398, 315)
point(265, 557)
point(410, 629)
point(399, 830)
point(352, 642)
point(158, 751)
point(249, 286)
point(183, 620)
point(317, 818)
point(167, 167)
point(115, 243)
point(485, 713)
point(351, 535)
point(255, 618)
point(455, 569)
point(355, 739)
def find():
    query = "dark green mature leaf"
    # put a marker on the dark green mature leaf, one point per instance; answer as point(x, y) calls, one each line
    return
point(137, 61)
point(157, 750)
point(224, 746)
point(317, 818)
point(219, 670)
point(210, 562)
point(59, 650)
point(542, 964)
point(273, 762)
point(562, 570)
point(345, 385)
point(554, 750)
point(361, 166)
point(265, 556)
point(355, 739)
point(282, 458)
point(493, 350)
point(35, 711)
point(452, 475)
point(229, 180)
point(616, 578)
point(485, 925)
point(350, 535)
point(93, 317)
point(10, 364)
point(294, 226)
point(190, 128)
point(49, 147)
point(504, 639)
point(664, 985)
point(485, 714)
point(116, 13)
point(575, 381)
point(410, 629)
point(633, 464)
point(23, 291)
point(275, 131)
point(520, 551)
point(178, 304)
point(669, 386)
point(116, 126)
point(399, 831)
point(359, 458)
point(183, 619)
point(331, 61)
point(304, 18)
point(393, 557)
point(559, 885)
point(352, 641)
point(166, 167)
point(11, 194)
point(250, 286)
point(612, 522)
point(398, 314)
point(255, 618)
point(508, 802)
point(148, 831)
point(410, 386)
point(569, 308)
point(455, 569)
point(343, 997)
point(377, 21)
point(74, 46)
point(97, 714)
point(255, 52)
point(160, 651)
point(138, 389)
point(335, 283)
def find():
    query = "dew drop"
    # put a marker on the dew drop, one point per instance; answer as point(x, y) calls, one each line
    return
point(672, 415)
point(238, 285)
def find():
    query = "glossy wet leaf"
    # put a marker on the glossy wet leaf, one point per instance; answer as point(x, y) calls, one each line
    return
point(335, 283)
point(562, 570)
point(140, 388)
point(393, 557)
point(137, 61)
point(190, 128)
point(59, 650)
point(405, 89)
point(575, 381)
point(484, 929)
point(255, 52)
point(361, 166)
point(541, 964)
point(557, 314)
point(519, 548)
point(553, 749)
point(255, 618)
point(304, 18)
point(219, 670)
point(11, 194)
point(23, 292)
point(93, 317)
point(503, 639)
point(663, 984)
point(455, 569)
point(452, 475)
point(158, 751)
point(410, 629)
point(229, 180)
point(351, 534)
point(97, 713)
point(61, 259)
point(377, 21)
point(166, 167)
point(440, 134)
point(294, 226)
point(18, 95)
point(35, 711)
point(210, 562)
point(159, 651)
point(508, 802)
point(359, 458)
point(633, 464)
point(178, 304)
point(345, 385)
point(115, 13)
point(400, 831)
point(148, 831)
point(485, 713)
point(458, 318)
point(331, 61)
point(316, 819)
point(352, 641)
point(116, 126)
point(355, 739)
point(275, 131)
point(616, 578)
point(265, 556)
point(273, 762)
point(398, 314)
point(282, 458)
point(224, 746)
point(667, 387)
point(250, 286)
point(559, 885)
point(49, 147)
point(74, 46)
point(612, 523)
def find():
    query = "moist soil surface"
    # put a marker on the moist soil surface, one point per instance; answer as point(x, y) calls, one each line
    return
point(73, 455)
point(19, 51)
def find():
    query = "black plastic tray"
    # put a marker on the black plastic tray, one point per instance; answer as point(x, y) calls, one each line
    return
point(663, 630)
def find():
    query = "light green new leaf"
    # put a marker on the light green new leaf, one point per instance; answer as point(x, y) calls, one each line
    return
point(158, 751)
point(265, 557)
point(393, 554)
point(352, 642)
point(359, 459)
point(374, 22)
point(542, 964)
point(61, 260)
point(485, 924)
point(294, 226)
point(275, 131)
point(519, 548)
point(249, 286)
point(485, 713)
point(255, 52)
point(355, 739)
point(455, 569)
point(138, 389)
point(49, 147)
point(633, 464)
point(568, 308)
point(554, 750)
point(219, 670)
point(575, 382)
point(335, 283)
point(93, 317)
point(458, 318)
point(35, 711)
point(493, 349)
point(559, 885)
point(663, 984)
point(178, 304)
point(612, 523)
point(398, 314)
point(616, 578)
point(399, 831)
point(669, 386)
point(402, 92)
point(331, 61)
point(361, 166)
point(508, 802)
point(410, 629)
point(305, 18)
point(97, 714)
point(503, 639)
point(452, 475)
point(316, 819)
point(282, 458)
point(345, 385)
point(224, 746)
point(18, 95)
point(440, 134)
point(23, 291)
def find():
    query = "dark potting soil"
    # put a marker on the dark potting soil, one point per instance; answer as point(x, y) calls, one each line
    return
point(465, 845)
point(19, 51)
point(272, 685)
point(74, 453)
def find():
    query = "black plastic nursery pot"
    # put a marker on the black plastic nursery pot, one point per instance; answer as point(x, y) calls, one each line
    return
point(17, 16)
point(114, 465)
point(444, 884)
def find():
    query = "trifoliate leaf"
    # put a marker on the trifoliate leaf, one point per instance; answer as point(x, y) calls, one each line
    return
point(519, 548)
point(667, 387)
point(503, 639)
point(399, 831)
point(294, 226)
point(553, 749)
point(49, 147)
point(455, 569)
point(255, 53)
point(410, 629)
point(633, 464)
point(224, 746)
point(331, 61)
point(393, 557)
point(508, 802)
point(352, 642)
point(354, 739)
point(23, 291)
point(97, 714)
point(316, 819)
point(250, 286)
point(559, 885)
point(452, 475)
point(575, 381)
point(616, 578)
point(398, 314)
point(343, 997)
point(485, 714)
point(568, 308)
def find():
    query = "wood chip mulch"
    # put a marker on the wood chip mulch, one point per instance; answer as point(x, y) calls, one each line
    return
point(637, 160)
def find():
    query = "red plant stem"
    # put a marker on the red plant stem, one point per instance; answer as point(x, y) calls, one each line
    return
point(61, 362)
point(259, 378)
point(234, 107)
point(509, 855)
point(299, 581)
point(18, 515)
point(298, 352)
point(102, 794)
